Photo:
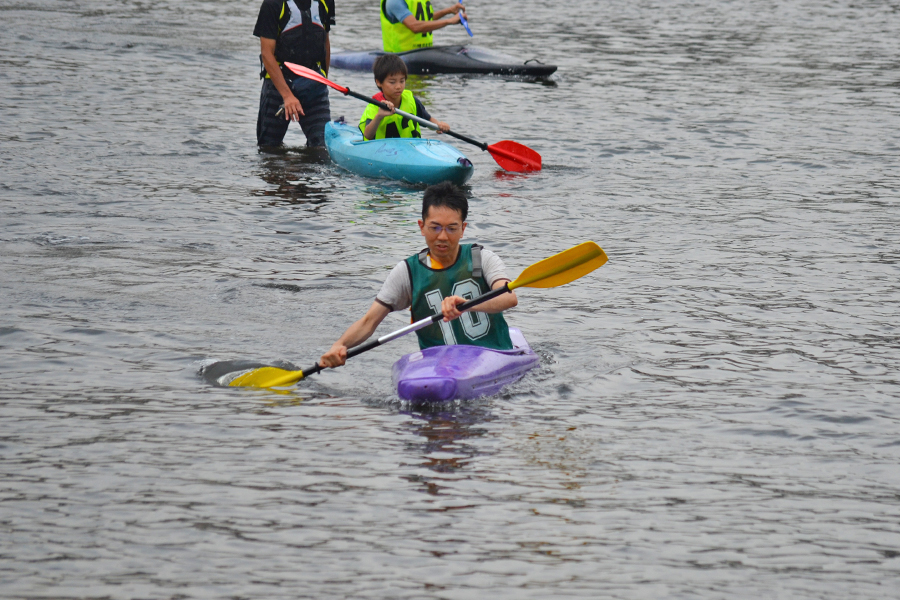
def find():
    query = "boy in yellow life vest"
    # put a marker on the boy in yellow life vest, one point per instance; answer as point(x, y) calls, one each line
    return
point(377, 123)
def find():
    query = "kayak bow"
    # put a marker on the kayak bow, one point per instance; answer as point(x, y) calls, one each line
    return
point(460, 372)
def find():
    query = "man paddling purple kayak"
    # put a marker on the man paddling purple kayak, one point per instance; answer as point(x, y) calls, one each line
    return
point(437, 280)
point(442, 300)
point(444, 213)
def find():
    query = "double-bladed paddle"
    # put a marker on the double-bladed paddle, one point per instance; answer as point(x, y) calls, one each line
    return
point(555, 271)
point(510, 155)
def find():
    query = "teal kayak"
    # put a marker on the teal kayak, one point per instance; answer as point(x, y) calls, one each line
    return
point(414, 160)
point(448, 59)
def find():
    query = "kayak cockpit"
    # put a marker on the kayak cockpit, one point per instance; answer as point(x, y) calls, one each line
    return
point(414, 160)
point(444, 373)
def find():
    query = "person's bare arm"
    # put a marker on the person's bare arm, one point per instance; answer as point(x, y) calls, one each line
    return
point(292, 108)
point(494, 305)
point(417, 26)
point(355, 335)
point(452, 9)
point(442, 127)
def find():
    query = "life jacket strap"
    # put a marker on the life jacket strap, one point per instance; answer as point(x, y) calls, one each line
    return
point(476, 261)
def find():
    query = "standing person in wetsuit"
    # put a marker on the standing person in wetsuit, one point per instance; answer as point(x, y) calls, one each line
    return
point(295, 31)
point(407, 24)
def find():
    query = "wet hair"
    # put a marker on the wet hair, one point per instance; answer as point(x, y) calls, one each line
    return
point(387, 65)
point(445, 194)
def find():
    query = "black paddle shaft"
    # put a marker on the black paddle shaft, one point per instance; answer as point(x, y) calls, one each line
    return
point(434, 319)
point(384, 106)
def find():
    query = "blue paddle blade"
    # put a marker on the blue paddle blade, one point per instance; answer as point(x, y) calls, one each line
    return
point(465, 22)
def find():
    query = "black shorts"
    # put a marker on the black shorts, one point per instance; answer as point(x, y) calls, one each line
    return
point(313, 97)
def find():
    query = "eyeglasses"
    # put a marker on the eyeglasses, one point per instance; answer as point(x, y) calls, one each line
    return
point(450, 229)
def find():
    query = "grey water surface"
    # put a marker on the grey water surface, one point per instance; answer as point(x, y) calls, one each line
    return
point(717, 411)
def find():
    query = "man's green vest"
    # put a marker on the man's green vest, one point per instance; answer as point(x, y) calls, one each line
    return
point(393, 126)
point(431, 286)
point(397, 37)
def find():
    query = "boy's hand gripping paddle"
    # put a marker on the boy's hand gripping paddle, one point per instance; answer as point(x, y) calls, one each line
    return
point(511, 156)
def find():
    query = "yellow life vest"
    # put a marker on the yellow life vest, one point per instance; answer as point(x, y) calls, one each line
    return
point(393, 126)
point(397, 37)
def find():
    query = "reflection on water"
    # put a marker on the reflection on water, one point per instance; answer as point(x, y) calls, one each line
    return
point(446, 429)
point(390, 196)
point(297, 176)
point(419, 86)
point(502, 175)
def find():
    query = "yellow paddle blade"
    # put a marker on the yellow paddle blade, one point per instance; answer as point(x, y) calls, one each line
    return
point(562, 268)
point(265, 377)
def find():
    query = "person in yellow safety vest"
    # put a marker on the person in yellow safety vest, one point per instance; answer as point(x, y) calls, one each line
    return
point(377, 123)
point(407, 24)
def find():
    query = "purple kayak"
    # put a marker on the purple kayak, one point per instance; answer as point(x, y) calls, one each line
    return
point(460, 372)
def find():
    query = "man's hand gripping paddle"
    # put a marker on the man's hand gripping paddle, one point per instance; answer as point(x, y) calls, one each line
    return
point(510, 155)
point(555, 271)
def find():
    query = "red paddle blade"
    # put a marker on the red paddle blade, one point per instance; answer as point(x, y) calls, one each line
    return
point(310, 74)
point(513, 156)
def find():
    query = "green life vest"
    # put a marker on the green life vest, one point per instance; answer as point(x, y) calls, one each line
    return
point(464, 279)
point(397, 37)
point(393, 126)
